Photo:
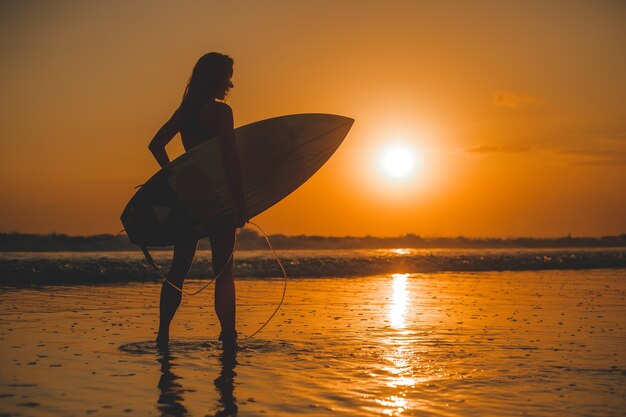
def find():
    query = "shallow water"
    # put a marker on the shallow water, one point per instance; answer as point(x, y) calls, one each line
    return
point(546, 343)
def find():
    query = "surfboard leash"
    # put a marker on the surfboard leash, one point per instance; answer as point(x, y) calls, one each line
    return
point(282, 298)
point(159, 270)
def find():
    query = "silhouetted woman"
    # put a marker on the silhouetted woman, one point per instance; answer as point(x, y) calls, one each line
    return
point(203, 115)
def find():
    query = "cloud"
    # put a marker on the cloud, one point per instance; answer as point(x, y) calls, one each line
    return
point(490, 149)
point(568, 155)
point(598, 148)
point(616, 139)
point(513, 100)
point(593, 156)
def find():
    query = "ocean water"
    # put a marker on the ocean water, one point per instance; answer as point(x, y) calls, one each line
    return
point(486, 343)
point(24, 268)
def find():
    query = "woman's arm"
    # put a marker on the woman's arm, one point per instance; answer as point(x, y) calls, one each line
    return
point(230, 157)
point(163, 137)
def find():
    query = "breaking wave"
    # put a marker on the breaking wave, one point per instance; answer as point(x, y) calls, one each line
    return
point(21, 268)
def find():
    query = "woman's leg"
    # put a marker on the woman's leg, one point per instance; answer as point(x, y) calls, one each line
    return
point(222, 245)
point(170, 296)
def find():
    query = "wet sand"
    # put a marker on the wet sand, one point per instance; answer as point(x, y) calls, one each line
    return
point(547, 343)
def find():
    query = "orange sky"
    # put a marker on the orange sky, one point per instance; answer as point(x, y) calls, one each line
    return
point(515, 111)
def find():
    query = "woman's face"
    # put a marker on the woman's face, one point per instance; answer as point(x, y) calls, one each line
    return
point(228, 84)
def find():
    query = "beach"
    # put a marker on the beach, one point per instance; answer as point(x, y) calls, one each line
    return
point(543, 343)
point(421, 204)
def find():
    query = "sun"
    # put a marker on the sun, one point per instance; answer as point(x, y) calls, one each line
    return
point(397, 161)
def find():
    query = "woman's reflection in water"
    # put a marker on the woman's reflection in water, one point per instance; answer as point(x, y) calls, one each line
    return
point(225, 384)
point(170, 402)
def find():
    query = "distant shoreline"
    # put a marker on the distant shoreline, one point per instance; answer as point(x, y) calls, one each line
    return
point(250, 240)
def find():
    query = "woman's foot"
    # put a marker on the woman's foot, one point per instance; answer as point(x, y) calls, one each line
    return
point(229, 341)
point(162, 341)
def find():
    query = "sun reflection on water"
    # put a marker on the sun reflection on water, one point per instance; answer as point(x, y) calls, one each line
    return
point(400, 300)
point(399, 356)
point(394, 404)
point(400, 251)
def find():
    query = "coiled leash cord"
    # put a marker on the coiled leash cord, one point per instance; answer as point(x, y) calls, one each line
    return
point(159, 270)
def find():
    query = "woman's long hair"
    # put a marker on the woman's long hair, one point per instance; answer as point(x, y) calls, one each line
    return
point(209, 80)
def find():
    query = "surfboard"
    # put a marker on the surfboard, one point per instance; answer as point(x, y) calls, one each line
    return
point(191, 196)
